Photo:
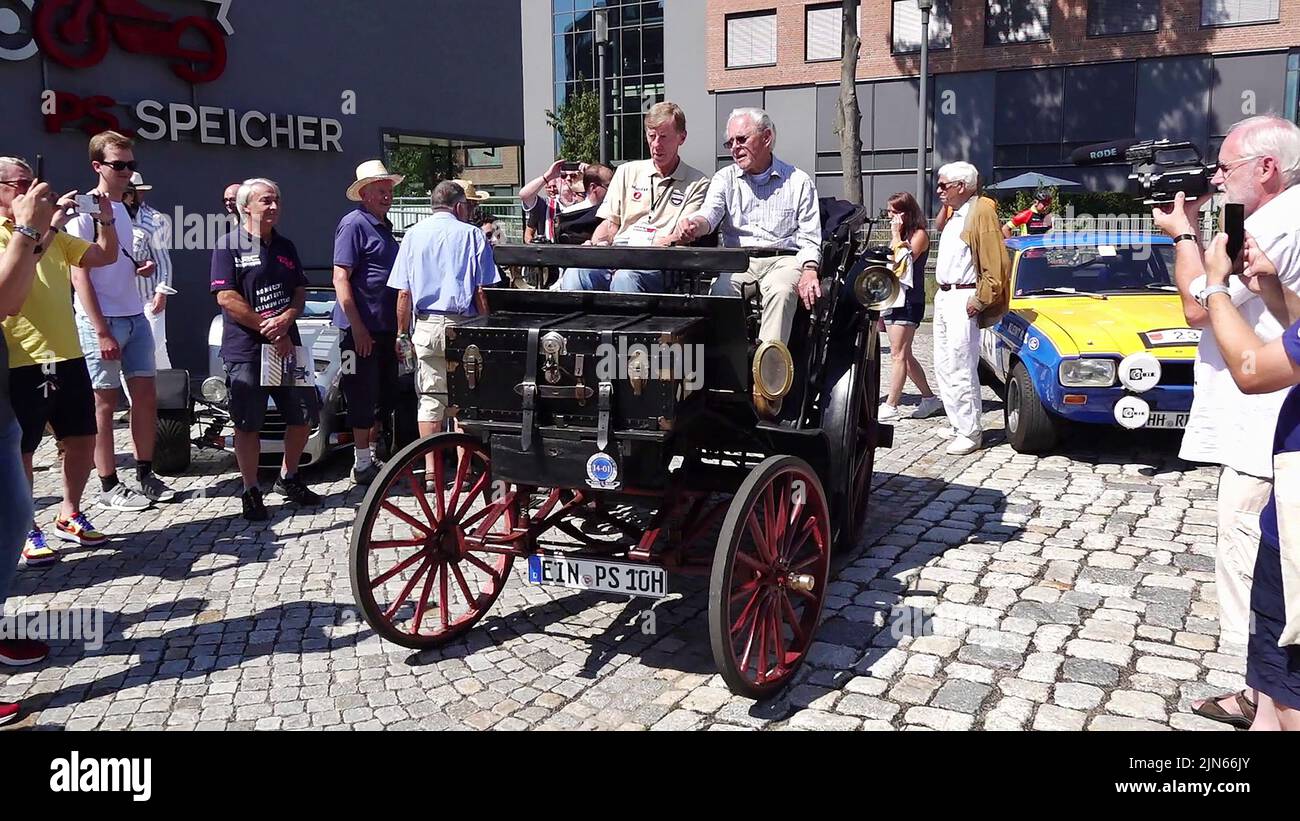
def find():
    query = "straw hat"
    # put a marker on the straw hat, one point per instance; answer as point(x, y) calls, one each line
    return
point(472, 193)
point(137, 182)
point(368, 172)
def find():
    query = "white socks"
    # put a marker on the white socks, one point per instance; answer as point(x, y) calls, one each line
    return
point(364, 457)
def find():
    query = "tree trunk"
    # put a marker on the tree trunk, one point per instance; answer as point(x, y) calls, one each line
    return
point(849, 119)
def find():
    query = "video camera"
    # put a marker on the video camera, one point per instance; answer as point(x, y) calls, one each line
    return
point(1161, 168)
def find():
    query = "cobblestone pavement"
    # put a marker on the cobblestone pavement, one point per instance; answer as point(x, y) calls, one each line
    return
point(993, 591)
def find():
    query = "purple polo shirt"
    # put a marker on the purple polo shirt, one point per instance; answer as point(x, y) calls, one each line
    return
point(364, 244)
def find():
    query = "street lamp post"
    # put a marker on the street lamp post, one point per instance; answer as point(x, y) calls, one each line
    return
point(601, 17)
point(925, 6)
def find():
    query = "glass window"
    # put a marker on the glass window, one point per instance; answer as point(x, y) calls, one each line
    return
point(1017, 21)
point(907, 26)
point(751, 40)
point(1237, 12)
point(823, 33)
point(1123, 16)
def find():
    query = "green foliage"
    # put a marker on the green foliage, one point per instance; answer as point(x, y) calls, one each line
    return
point(1095, 203)
point(577, 121)
point(424, 166)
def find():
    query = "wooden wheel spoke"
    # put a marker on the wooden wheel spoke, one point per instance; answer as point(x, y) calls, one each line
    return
point(746, 612)
point(482, 565)
point(464, 586)
point(462, 469)
point(764, 624)
point(778, 640)
point(760, 540)
point(744, 590)
point(417, 490)
point(804, 533)
point(390, 544)
point(480, 485)
point(398, 568)
point(800, 638)
point(422, 603)
point(406, 591)
point(750, 562)
point(749, 641)
point(439, 485)
point(406, 517)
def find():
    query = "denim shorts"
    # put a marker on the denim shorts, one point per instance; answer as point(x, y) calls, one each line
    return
point(248, 396)
point(134, 338)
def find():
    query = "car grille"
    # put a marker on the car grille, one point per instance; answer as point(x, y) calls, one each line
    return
point(1177, 374)
point(274, 425)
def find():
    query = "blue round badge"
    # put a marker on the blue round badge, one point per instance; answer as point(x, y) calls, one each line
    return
point(602, 471)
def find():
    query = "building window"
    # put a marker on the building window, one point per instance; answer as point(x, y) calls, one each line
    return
point(907, 26)
point(823, 32)
point(634, 65)
point(751, 40)
point(482, 158)
point(1007, 22)
point(1123, 17)
point(1238, 12)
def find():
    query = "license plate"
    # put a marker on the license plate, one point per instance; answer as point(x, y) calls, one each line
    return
point(606, 577)
point(1167, 420)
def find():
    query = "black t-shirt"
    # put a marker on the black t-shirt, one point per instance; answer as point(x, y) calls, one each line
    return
point(265, 274)
point(576, 227)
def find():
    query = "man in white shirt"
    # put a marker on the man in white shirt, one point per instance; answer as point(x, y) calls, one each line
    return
point(152, 234)
point(763, 202)
point(1259, 166)
point(115, 335)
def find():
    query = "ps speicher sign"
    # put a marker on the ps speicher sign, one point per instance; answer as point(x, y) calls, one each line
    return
point(78, 34)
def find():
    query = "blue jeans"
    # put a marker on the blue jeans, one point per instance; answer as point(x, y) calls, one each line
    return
point(16, 502)
point(135, 339)
point(625, 282)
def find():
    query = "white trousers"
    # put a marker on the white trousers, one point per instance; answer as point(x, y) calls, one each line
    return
point(956, 361)
point(1241, 499)
point(158, 324)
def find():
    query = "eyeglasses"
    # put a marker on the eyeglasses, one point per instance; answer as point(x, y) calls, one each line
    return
point(738, 140)
point(944, 186)
point(122, 165)
point(1227, 168)
point(21, 186)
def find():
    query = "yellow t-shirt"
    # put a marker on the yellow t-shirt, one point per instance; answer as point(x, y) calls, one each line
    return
point(645, 203)
point(44, 330)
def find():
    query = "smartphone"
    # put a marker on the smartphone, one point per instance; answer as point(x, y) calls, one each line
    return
point(87, 204)
point(570, 167)
point(1234, 225)
point(40, 167)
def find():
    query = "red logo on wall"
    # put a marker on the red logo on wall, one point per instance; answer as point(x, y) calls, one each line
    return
point(76, 33)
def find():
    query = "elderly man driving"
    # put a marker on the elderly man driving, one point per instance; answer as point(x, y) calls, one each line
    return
point(763, 202)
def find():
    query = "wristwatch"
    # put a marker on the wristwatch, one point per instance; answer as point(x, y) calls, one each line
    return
point(29, 232)
point(1204, 296)
point(1182, 237)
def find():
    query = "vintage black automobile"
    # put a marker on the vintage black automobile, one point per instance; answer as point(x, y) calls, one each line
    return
point(575, 407)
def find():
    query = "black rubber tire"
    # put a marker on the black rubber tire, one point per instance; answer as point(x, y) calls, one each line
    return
point(724, 566)
point(358, 556)
point(852, 437)
point(172, 449)
point(1030, 428)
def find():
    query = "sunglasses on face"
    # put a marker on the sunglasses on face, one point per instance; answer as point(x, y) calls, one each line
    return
point(122, 165)
point(21, 186)
point(738, 140)
point(944, 186)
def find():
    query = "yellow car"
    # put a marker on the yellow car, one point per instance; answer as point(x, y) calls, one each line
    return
point(1095, 335)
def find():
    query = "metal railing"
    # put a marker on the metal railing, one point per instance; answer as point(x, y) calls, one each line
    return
point(407, 211)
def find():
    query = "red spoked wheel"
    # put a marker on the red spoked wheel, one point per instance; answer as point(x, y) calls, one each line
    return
point(429, 552)
point(769, 576)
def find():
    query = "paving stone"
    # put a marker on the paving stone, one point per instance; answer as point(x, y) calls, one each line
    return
point(1137, 705)
point(1051, 717)
point(938, 719)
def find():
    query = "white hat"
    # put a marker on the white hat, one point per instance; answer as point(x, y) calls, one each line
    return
point(137, 182)
point(368, 172)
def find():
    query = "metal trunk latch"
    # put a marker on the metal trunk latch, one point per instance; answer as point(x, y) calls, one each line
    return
point(602, 417)
point(473, 363)
point(638, 371)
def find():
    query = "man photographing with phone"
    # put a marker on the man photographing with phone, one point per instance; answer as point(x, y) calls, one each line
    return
point(1258, 168)
point(115, 335)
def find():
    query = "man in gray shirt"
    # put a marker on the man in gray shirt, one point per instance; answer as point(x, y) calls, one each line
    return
point(763, 202)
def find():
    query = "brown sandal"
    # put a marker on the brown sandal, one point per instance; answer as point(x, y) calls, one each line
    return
point(1211, 710)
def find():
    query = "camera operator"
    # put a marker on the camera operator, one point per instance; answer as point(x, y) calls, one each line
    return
point(1259, 166)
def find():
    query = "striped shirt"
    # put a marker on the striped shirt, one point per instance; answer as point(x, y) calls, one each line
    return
point(775, 209)
point(151, 233)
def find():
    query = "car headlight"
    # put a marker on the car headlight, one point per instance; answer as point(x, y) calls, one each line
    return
point(875, 286)
point(214, 390)
point(1088, 373)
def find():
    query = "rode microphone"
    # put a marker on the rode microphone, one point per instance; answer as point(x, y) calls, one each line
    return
point(1102, 152)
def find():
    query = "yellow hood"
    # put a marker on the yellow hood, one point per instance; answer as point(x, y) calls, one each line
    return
point(1086, 326)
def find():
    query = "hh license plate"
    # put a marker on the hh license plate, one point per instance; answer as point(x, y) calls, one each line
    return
point(607, 577)
point(1168, 420)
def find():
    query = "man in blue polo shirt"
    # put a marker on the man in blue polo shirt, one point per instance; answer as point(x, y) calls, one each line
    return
point(440, 267)
point(262, 289)
point(366, 310)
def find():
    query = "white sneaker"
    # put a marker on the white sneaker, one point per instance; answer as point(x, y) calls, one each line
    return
point(945, 432)
point(887, 412)
point(962, 445)
point(929, 407)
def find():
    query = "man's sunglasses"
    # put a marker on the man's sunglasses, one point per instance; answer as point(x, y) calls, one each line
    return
point(122, 165)
point(21, 186)
point(740, 140)
point(944, 186)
